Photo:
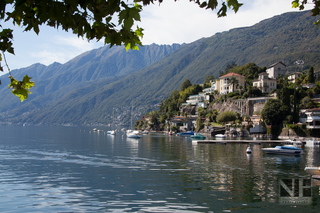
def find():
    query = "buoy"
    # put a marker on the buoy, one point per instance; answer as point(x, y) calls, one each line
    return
point(248, 150)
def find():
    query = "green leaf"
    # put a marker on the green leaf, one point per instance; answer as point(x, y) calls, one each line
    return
point(223, 10)
point(295, 4)
point(212, 4)
point(21, 88)
point(234, 4)
point(203, 4)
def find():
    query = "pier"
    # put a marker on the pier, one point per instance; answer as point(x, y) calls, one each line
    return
point(245, 141)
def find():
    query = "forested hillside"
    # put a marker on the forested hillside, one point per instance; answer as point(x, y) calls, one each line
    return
point(77, 93)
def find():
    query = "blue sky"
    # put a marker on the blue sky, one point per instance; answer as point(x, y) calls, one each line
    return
point(171, 22)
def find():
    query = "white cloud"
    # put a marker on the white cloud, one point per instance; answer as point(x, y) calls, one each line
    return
point(183, 21)
point(62, 49)
point(171, 22)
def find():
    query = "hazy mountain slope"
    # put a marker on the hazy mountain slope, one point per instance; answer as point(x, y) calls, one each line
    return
point(53, 82)
point(288, 37)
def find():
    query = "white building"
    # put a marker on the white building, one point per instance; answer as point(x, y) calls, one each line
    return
point(225, 87)
point(313, 118)
point(264, 83)
point(293, 76)
point(276, 69)
point(210, 89)
point(200, 100)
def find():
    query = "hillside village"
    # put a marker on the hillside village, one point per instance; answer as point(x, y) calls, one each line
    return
point(252, 99)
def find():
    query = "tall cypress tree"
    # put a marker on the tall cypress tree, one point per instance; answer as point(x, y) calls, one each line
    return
point(311, 75)
point(285, 99)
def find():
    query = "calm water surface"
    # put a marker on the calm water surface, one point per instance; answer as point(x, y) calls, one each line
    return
point(67, 169)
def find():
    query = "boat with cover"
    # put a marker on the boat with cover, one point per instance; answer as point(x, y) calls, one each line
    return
point(197, 136)
point(287, 149)
point(189, 133)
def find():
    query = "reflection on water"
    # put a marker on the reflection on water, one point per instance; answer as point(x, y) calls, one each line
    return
point(63, 169)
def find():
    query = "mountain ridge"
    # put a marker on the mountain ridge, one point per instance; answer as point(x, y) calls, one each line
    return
point(287, 38)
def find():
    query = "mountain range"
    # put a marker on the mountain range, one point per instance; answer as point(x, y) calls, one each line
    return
point(88, 88)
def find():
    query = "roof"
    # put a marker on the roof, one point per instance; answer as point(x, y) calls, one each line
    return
point(313, 110)
point(272, 65)
point(232, 74)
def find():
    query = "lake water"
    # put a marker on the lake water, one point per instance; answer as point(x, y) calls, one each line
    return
point(67, 169)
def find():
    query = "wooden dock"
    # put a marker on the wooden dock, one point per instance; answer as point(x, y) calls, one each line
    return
point(243, 141)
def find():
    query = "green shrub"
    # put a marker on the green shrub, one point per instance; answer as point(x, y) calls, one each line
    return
point(226, 117)
point(300, 129)
point(173, 128)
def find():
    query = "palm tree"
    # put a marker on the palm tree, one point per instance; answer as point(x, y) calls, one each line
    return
point(232, 81)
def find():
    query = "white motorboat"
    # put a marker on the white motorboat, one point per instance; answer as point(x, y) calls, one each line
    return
point(134, 134)
point(313, 170)
point(312, 142)
point(293, 141)
point(287, 149)
point(112, 132)
point(220, 136)
point(145, 132)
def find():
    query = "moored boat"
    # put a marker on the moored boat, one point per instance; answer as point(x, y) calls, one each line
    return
point(189, 133)
point(197, 136)
point(134, 134)
point(294, 142)
point(288, 149)
point(313, 170)
point(220, 136)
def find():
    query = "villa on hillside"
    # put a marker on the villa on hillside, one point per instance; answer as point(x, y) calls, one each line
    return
point(223, 85)
point(264, 83)
point(276, 69)
point(313, 118)
point(293, 76)
point(199, 100)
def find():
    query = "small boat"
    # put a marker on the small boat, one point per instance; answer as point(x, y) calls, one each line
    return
point(293, 141)
point(134, 134)
point(145, 132)
point(249, 151)
point(220, 136)
point(170, 133)
point(112, 132)
point(94, 129)
point(189, 133)
point(313, 170)
point(287, 149)
point(198, 136)
point(312, 142)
